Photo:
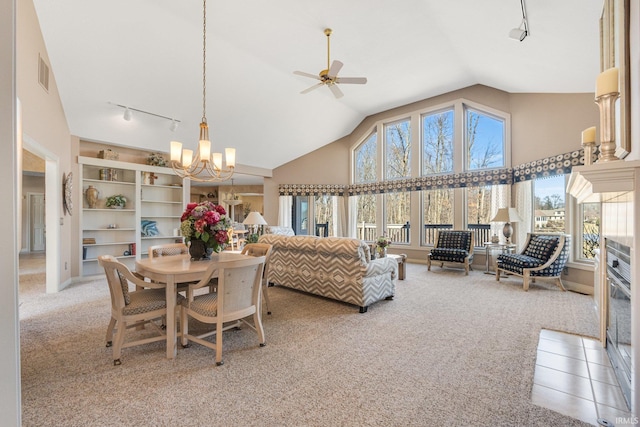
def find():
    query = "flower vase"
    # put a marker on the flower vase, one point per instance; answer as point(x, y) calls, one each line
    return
point(382, 252)
point(92, 196)
point(197, 250)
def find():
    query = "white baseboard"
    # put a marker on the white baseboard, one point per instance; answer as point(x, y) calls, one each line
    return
point(578, 287)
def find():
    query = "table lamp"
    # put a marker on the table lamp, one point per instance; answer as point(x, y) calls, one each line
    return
point(254, 219)
point(507, 215)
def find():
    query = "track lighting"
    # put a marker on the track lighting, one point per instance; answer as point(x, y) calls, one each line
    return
point(128, 114)
point(523, 29)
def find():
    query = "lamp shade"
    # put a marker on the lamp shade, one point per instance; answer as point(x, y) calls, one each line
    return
point(254, 218)
point(506, 215)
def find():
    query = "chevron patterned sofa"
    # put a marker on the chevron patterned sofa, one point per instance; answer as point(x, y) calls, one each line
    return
point(334, 267)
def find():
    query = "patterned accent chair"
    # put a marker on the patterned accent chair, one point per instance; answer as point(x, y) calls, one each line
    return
point(544, 255)
point(454, 248)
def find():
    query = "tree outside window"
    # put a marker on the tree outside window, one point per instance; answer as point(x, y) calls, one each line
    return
point(323, 212)
point(398, 215)
point(437, 143)
point(590, 215)
point(437, 212)
point(484, 140)
point(397, 137)
point(365, 158)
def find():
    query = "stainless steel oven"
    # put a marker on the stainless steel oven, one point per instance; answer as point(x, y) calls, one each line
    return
point(619, 313)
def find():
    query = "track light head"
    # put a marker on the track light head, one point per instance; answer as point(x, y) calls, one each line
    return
point(173, 126)
point(522, 31)
point(127, 114)
point(518, 34)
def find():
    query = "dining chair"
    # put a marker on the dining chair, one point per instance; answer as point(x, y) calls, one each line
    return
point(237, 297)
point(261, 249)
point(168, 249)
point(132, 309)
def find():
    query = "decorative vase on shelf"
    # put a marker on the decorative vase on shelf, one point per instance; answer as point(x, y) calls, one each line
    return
point(197, 250)
point(91, 194)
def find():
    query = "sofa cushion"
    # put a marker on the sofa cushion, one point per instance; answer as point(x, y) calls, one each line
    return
point(541, 247)
point(448, 254)
point(519, 261)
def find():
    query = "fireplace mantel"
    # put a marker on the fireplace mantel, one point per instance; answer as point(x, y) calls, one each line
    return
point(603, 181)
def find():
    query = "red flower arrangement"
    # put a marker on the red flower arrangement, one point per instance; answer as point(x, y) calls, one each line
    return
point(208, 222)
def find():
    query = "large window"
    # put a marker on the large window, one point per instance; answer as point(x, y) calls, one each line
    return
point(437, 213)
point(589, 239)
point(549, 204)
point(484, 139)
point(397, 147)
point(398, 214)
point(366, 217)
point(365, 158)
point(437, 142)
point(479, 213)
point(323, 214)
point(457, 138)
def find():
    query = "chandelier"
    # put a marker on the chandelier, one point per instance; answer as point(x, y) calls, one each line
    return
point(205, 166)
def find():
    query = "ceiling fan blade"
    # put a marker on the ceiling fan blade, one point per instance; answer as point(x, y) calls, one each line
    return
point(336, 91)
point(352, 80)
point(303, 74)
point(309, 89)
point(335, 68)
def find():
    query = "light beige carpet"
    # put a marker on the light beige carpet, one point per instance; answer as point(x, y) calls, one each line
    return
point(449, 350)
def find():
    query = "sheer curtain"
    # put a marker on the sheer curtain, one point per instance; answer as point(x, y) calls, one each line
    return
point(339, 216)
point(524, 205)
point(352, 222)
point(284, 211)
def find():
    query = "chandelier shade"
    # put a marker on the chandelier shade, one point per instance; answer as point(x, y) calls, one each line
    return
point(204, 166)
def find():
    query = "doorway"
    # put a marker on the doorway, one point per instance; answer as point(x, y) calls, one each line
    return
point(37, 226)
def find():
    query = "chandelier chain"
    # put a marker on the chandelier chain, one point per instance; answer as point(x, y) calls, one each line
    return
point(204, 61)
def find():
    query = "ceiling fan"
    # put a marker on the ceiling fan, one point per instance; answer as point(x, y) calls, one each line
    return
point(329, 77)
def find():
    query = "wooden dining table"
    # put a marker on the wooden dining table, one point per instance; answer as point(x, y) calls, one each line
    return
point(175, 269)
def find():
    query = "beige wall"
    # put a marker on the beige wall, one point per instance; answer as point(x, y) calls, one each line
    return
point(45, 133)
point(544, 125)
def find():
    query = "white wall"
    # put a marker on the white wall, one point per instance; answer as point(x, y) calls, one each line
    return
point(9, 333)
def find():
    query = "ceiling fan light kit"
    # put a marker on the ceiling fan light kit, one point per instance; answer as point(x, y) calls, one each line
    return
point(329, 76)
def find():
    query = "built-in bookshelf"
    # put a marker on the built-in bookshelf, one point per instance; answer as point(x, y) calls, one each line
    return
point(155, 201)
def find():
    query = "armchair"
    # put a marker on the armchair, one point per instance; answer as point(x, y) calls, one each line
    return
point(452, 247)
point(544, 255)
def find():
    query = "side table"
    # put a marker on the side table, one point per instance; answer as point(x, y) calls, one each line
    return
point(489, 247)
point(402, 269)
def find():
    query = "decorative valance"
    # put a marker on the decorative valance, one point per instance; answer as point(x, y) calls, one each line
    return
point(311, 189)
point(458, 180)
point(550, 166)
point(554, 165)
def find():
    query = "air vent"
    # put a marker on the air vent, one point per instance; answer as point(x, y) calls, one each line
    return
point(43, 73)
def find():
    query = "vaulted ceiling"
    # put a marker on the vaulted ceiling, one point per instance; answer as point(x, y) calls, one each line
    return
point(147, 54)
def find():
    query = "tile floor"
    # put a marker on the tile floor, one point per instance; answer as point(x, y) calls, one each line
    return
point(573, 376)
